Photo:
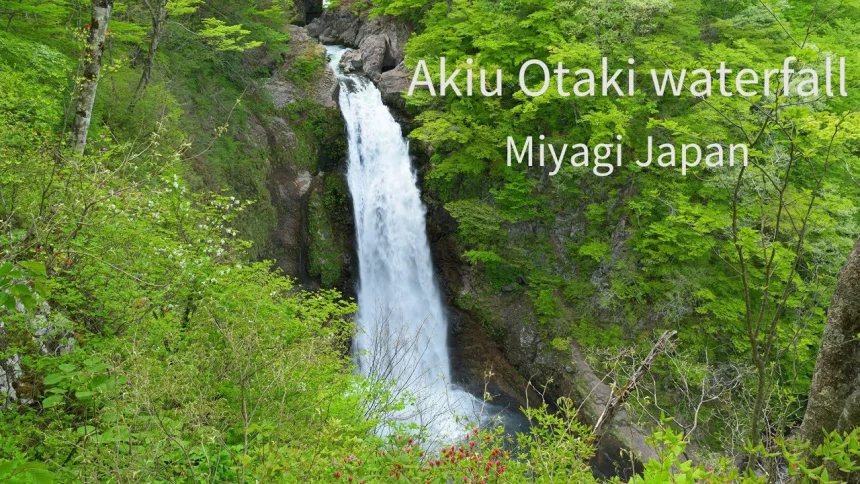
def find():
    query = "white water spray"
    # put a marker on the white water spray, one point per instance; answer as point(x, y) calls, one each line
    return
point(402, 325)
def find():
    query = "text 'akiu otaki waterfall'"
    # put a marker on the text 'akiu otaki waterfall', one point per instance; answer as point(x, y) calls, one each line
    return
point(402, 325)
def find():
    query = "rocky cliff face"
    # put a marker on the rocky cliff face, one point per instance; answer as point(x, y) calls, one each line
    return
point(301, 131)
point(507, 316)
point(307, 10)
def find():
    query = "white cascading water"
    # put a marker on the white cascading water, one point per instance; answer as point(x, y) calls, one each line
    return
point(402, 324)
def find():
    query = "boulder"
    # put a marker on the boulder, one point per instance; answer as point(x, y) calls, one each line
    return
point(336, 28)
point(392, 84)
point(351, 62)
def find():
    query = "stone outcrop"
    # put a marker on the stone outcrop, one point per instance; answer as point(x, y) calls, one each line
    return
point(284, 89)
point(351, 62)
point(392, 84)
point(379, 39)
point(834, 395)
point(380, 42)
point(594, 395)
point(49, 332)
point(307, 10)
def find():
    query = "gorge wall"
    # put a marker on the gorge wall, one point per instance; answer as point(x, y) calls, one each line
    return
point(492, 331)
point(301, 133)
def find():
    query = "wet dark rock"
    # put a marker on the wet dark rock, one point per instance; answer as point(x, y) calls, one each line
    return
point(307, 10)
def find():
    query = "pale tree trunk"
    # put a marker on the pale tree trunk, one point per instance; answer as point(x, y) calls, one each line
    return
point(621, 395)
point(86, 90)
point(834, 396)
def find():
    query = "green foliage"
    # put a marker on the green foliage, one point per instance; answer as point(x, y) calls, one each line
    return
point(17, 472)
point(597, 250)
point(226, 37)
point(176, 326)
point(83, 385)
point(22, 283)
point(411, 9)
point(304, 69)
point(320, 144)
point(477, 221)
point(842, 450)
point(178, 8)
point(557, 447)
point(668, 468)
point(546, 306)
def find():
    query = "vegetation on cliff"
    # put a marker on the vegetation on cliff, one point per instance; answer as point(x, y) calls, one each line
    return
point(741, 262)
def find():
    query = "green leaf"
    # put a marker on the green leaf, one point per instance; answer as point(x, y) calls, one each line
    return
point(99, 380)
point(35, 267)
point(84, 395)
point(40, 475)
point(68, 367)
point(54, 378)
point(19, 290)
point(41, 288)
point(52, 401)
point(97, 367)
point(7, 301)
point(28, 301)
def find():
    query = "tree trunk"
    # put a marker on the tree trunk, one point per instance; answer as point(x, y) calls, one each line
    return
point(89, 81)
point(621, 395)
point(834, 396)
point(158, 12)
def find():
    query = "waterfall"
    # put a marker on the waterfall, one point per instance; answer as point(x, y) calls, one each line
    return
point(402, 324)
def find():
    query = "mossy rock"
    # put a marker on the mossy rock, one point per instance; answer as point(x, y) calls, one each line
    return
point(329, 225)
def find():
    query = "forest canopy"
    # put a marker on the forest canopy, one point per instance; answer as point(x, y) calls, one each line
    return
point(175, 239)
